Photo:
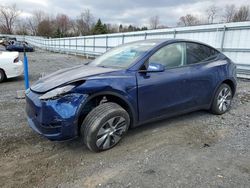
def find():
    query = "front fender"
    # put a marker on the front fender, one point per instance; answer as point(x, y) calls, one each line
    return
point(123, 88)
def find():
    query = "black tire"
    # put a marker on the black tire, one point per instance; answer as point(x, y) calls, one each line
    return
point(96, 126)
point(2, 75)
point(225, 91)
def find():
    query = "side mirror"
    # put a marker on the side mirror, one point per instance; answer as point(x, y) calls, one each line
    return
point(154, 67)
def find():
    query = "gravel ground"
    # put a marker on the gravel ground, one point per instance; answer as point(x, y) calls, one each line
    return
point(192, 150)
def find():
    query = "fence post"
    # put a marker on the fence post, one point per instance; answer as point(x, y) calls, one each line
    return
point(59, 40)
point(107, 42)
point(69, 45)
point(94, 44)
point(123, 36)
point(145, 36)
point(64, 47)
point(84, 45)
point(51, 44)
point(223, 38)
point(174, 33)
point(76, 45)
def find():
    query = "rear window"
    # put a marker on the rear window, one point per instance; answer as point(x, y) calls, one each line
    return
point(198, 53)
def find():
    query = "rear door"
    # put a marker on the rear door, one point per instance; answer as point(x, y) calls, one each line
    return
point(202, 65)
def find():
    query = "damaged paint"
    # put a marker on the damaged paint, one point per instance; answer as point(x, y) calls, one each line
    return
point(55, 118)
point(66, 76)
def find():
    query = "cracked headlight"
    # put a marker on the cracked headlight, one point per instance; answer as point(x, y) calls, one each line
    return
point(57, 92)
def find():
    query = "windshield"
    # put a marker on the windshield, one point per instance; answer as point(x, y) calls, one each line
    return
point(123, 56)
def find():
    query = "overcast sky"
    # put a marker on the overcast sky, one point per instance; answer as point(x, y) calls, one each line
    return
point(135, 12)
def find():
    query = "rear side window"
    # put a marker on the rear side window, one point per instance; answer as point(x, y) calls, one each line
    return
point(196, 53)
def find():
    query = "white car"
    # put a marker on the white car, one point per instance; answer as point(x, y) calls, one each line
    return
point(10, 65)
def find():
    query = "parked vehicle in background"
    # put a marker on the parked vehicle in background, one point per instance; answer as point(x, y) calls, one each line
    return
point(5, 41)
point(19, 47)
point(128, 86)
point(2, 41)
point(12, 38)
point(2, 48)
point(10, 65)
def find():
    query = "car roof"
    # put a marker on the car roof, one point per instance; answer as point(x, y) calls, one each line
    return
point(156, 41)
point(168, 40)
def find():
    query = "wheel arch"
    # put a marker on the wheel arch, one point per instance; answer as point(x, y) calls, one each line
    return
point(95, 99)
point(5, 76)
point(231, 84)
point(227, 81)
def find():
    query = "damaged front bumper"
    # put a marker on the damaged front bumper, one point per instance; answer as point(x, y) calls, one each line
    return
point(56, 119)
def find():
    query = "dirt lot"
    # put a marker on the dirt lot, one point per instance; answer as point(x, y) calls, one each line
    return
point(193, 150)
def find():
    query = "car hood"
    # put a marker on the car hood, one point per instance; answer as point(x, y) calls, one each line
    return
point(68, 75)
point(8, 55)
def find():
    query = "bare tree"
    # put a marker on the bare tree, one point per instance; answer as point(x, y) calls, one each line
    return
point(211, 13)
point(63, 23)
point(21, 28)
point(73, 27)
point(85, 22)
point(243, 14)
point(37, 17)
point(229, 13)
point(8, 16)
point(45, 28)
point(154, 22)
point(188, 20)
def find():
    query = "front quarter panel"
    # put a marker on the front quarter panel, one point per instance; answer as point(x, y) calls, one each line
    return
point(122, 84)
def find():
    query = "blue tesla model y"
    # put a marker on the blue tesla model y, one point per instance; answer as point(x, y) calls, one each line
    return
point(128, 86)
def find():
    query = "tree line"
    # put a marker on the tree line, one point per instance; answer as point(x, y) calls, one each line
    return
point(61, 25)
point(214, 14)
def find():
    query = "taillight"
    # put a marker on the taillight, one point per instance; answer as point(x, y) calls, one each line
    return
point(16, 60)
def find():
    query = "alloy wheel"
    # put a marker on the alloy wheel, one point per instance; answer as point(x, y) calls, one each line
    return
point(111, 132)
point(224, 99)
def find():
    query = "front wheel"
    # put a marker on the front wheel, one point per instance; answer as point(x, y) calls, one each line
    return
point(105, 126)
point(222, 100)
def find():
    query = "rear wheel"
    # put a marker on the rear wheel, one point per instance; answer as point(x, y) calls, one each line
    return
point(105, 126)
point(2, 75)
point(222, 100)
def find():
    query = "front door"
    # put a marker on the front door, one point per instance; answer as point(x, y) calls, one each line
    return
point(164, 93)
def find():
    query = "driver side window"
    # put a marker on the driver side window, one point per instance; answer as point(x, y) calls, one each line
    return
point(169, 56)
